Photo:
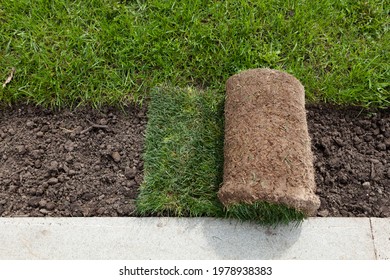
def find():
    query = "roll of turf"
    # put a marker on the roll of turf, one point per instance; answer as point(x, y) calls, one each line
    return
point(267, 151)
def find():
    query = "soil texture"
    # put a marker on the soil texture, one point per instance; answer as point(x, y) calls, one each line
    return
point(352, 160)
point(70, 163)
point(89, 163)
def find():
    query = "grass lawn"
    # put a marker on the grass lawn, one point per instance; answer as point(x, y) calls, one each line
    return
point(105, 52)
point(113, 52)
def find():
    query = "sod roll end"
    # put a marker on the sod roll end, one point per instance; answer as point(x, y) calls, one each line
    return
point(267, 151)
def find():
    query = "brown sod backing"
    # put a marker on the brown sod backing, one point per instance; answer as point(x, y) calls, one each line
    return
point(267, 155)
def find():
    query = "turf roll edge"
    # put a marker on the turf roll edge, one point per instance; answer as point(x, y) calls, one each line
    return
point(268, 169)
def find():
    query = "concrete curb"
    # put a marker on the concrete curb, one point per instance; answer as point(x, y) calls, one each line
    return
point(192, 238)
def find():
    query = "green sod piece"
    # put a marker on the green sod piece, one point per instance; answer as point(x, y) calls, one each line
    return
point(183, 154)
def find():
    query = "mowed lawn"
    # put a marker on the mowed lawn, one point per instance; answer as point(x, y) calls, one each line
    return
point(100, 52)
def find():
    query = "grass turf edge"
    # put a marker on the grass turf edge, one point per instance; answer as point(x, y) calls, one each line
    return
point(265, 213)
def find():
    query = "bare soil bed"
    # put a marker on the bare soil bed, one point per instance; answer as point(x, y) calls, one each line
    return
point(352, 150)
point(80, 163)
point(89, 163)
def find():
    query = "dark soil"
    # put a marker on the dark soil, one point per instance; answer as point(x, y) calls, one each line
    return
point(80, 163)
point(352, 161)
point(89, 163)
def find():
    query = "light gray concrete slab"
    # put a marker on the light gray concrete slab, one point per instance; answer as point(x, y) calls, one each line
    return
point(185, 238)
point(381, 233)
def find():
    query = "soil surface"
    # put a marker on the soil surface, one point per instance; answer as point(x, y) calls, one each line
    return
point(352, 161)
point(79, 163)
point(89, 163)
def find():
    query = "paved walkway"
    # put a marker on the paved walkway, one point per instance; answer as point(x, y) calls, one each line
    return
point(192, 238)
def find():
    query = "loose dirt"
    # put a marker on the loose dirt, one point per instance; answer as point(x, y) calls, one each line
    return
point(80, 163)
point(89, 163)
point(352, 150)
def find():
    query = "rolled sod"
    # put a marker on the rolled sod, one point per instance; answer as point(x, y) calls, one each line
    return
point(267, 156)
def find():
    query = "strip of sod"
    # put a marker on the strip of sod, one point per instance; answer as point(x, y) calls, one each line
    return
point(183, 154)
point(183, 160)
